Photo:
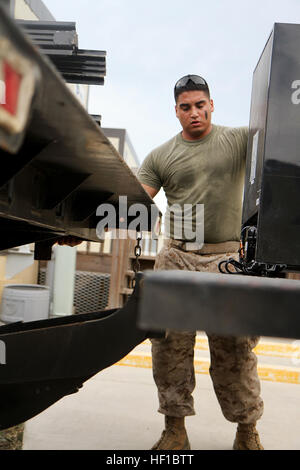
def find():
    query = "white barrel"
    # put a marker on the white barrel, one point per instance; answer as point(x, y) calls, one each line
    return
point(24, 302)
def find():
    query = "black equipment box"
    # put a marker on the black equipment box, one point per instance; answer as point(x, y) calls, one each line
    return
point(272, 185)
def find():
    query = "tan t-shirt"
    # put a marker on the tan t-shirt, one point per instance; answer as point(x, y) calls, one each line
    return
point(208, 171)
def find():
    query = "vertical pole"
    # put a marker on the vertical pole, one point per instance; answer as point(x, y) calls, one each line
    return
point(63, 282)
point(115, 275)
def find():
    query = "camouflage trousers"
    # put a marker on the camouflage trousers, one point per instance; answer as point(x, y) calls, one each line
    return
point(233, 364)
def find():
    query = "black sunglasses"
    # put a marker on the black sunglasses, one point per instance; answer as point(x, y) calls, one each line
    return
point(196, 79)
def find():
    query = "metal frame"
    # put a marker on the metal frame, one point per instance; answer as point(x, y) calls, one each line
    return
point(222, 304)
point(48, 359)
point(7, 5)
point(272, 188)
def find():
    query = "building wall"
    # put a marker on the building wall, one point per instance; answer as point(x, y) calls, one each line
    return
point(22, 11)
point(116, 142)
point(129, 157)
point(120, 140)
point(81, 92)
point(30, 10)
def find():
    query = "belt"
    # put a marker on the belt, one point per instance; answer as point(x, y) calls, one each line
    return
point(205, 248)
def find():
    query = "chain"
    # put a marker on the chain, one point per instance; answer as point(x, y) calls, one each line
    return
point(137, 254)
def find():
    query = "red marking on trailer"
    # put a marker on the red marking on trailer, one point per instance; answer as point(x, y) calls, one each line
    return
point(12, 81)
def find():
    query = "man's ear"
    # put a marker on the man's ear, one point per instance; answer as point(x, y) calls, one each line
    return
point(212, 106)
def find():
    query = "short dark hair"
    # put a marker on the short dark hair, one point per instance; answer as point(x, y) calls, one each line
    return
point(190, 82)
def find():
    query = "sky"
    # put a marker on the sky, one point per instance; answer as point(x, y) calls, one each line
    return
point(151, 44)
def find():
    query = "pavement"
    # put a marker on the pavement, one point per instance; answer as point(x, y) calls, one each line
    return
point(117, 408)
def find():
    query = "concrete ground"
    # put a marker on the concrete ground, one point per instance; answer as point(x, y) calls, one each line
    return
point(116, 410)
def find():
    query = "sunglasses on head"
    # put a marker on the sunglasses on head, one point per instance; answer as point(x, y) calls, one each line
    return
point(196, 79)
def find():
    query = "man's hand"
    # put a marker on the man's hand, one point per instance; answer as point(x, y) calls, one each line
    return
point(151, 191)
point(69, 240)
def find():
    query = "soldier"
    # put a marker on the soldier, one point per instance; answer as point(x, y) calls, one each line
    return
point(203, 164)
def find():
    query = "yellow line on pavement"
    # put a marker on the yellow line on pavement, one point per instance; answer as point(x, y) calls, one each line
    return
point(266, 372)
point(279, 374)
point(264, 348)
point(274, 349)
point(136, 360)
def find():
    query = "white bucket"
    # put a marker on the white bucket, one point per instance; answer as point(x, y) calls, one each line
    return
point(24, 302)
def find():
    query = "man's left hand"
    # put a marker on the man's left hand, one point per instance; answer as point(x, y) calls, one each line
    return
point(69, 240)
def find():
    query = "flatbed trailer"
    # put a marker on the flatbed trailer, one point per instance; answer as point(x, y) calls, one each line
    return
point(57, 167)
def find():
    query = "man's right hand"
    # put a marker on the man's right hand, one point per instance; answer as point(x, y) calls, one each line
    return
point(151, 191)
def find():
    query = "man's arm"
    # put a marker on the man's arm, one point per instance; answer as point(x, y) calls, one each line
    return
point(151, 191)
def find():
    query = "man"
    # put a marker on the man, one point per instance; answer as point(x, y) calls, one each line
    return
point(203, 164)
